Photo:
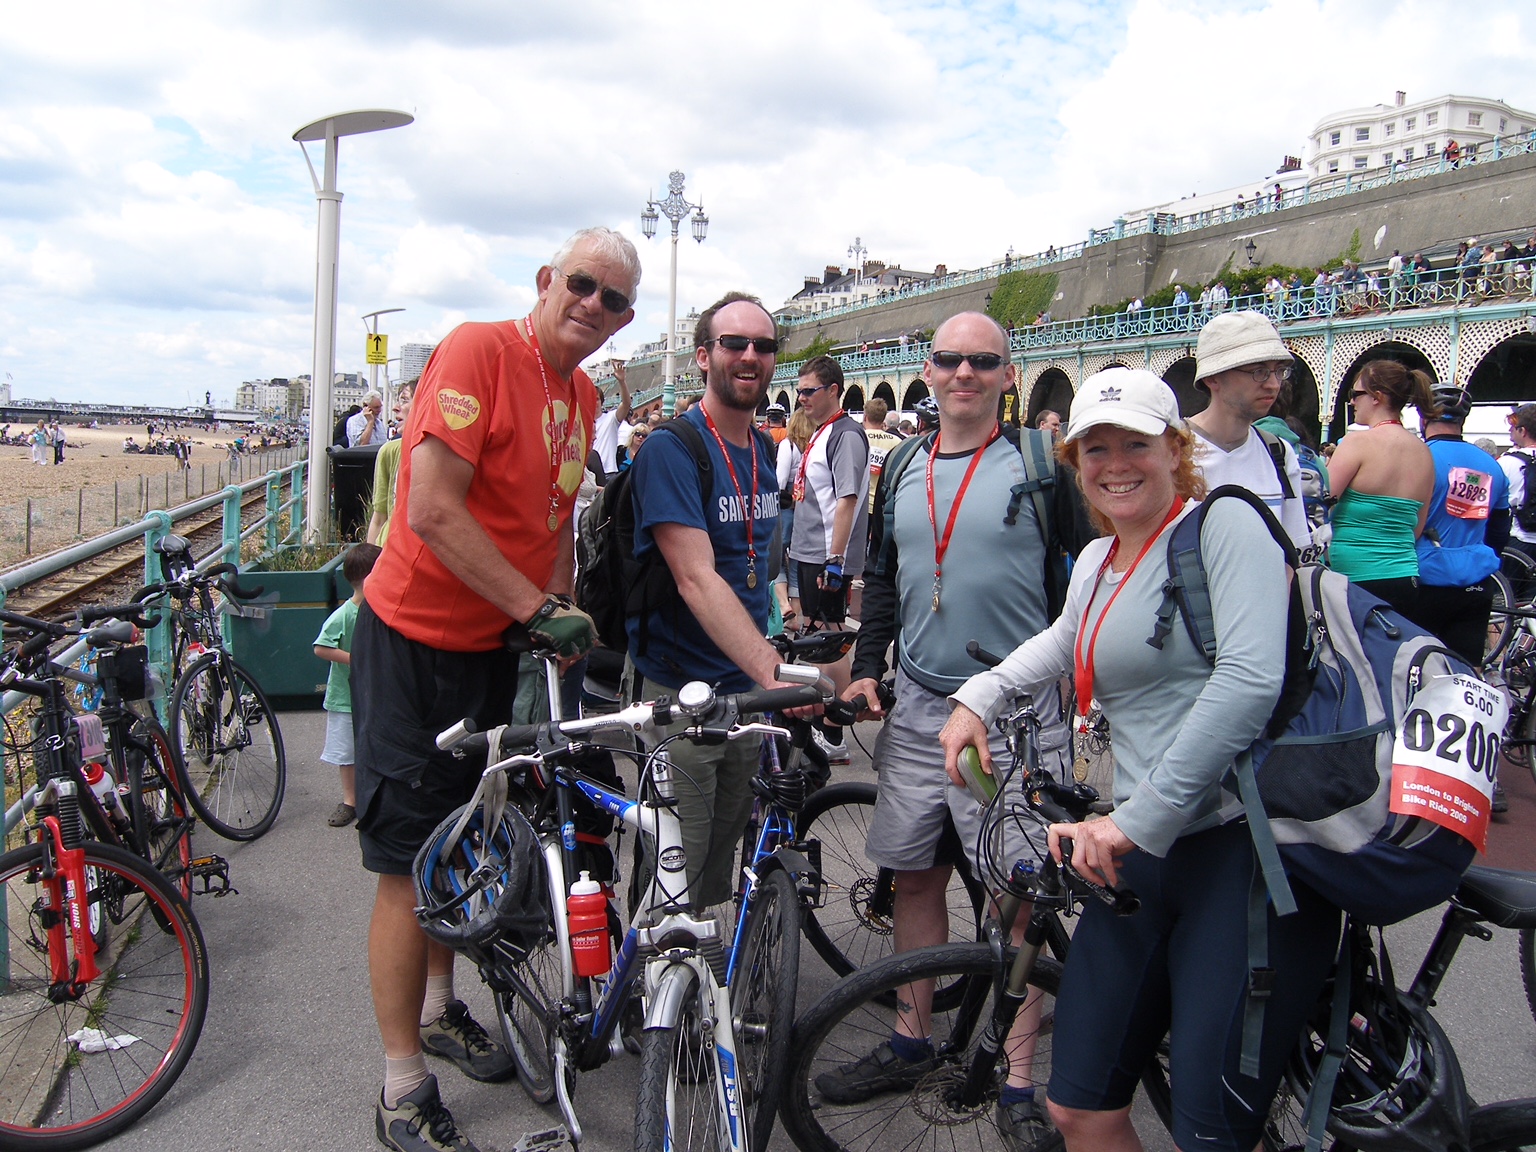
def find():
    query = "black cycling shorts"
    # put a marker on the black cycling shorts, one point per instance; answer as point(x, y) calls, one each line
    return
point(1179, 967)
point(403, 694)
point(818, 603)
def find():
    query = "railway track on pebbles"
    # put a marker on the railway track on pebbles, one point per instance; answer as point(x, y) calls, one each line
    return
point(115, 575)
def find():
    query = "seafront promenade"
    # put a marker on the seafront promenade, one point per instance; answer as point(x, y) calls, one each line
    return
point(289, 1056)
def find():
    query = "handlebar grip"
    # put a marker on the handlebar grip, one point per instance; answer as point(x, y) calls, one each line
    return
point(1122, 901)
point(845, 712)
point(132, 612)
point(458, 736)
point(775, 699)
point(976, 652)
point(885, 692)
point(233, 587)
point(148, 592)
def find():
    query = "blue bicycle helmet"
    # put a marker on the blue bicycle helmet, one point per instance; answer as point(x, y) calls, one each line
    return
point(475, 890)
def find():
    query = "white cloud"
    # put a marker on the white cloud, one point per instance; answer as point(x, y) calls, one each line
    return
point(157, 223)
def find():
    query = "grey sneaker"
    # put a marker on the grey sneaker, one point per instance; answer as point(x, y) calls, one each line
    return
point(879, 1072)
point(456, 1036)
point(1024, 1126)
point(419, 1123)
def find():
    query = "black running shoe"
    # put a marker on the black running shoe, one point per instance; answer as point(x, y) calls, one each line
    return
point(420, 1123)
point(456, 1036)
point(879, 1072)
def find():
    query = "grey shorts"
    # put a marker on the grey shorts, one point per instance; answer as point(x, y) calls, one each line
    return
point(338, 740)
point(915, 794)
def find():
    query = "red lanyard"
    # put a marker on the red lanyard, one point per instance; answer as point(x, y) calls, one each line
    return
point(941, 544)
point(798, 492)
point(748, 510)
point(1083, 662)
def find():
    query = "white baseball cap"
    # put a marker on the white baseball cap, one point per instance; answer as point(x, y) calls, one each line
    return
point(1127, 398)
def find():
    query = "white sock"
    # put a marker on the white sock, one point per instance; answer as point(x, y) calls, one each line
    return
point(403, 1076)
point(439, 992)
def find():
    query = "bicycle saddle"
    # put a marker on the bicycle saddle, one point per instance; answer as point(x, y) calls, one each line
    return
point(1499, 895)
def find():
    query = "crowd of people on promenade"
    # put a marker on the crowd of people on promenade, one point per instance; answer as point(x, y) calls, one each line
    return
point(972, 526)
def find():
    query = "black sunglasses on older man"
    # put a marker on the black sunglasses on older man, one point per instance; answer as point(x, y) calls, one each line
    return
point(582, 286)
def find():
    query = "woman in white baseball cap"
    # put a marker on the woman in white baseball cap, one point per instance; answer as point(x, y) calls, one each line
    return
point(1179, 966)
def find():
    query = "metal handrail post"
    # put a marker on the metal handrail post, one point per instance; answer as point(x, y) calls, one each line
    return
point(159, 637)
point(299, 492)
point(274, 504)
point(233, 498)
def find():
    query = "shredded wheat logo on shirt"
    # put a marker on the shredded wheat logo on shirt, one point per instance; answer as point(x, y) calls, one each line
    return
point(459, 410)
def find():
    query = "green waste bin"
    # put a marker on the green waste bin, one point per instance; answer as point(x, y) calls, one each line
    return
point(273, 637)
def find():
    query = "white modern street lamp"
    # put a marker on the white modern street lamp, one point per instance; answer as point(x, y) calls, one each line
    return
point(327, 256)
point(674, 208)
point(371, 319)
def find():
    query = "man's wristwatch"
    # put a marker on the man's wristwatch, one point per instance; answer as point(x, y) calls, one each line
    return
point(838, 560)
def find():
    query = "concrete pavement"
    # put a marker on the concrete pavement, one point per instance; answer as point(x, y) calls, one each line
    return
point(289, 1058)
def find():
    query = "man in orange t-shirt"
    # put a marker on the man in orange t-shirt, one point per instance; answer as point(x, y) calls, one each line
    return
point(481, 543)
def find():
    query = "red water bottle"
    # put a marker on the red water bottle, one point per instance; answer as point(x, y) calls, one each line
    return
point(587, 913)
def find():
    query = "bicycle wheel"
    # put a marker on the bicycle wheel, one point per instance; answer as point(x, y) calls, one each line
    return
point(1504, 1127)
point(57, 1090)
point(229, 748)
point(162, 809)
point(1500, 627)
point(675, 1109)
point(853, 927)
point(763, 981)
point(526, 1009)
point(850, 1021)
point(1528, 967)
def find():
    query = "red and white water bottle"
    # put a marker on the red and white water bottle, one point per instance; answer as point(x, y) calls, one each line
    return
point(587, 913)
point(105, 788)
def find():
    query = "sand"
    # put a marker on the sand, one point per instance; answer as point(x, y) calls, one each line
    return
point(110, 479)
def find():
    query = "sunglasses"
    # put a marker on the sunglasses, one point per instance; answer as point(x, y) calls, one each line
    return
point(1353, 396)
point(762, 345)
point(981, 361)
point(582, 286)
point(807, 393)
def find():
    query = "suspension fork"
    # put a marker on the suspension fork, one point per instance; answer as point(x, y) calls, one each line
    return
point(68, 898)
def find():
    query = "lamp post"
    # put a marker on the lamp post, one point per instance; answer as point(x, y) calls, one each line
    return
point(1253, 253)
point(327, 256)
point(856, 253)
point(674, 208)
point(371, 319)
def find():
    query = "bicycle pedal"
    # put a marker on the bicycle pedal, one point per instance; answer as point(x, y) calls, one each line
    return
point(213, 871)
point(556, 1137)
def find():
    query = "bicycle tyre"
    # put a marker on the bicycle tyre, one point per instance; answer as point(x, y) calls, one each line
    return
point(844, 931)
point(1504, 1127)
point(162, 807)
point(526, 1009)
point(154, 988)
point(229, 748)
point(1500, 628)
point(850, 1020)
point(763, 982)
point(1528, 967)
point(675, 1108)
point(1520, 755)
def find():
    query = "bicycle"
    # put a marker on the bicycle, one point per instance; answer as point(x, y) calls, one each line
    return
point(229, 753)
point(141, 805)
point(716, 1020)
point(972, 1036)
point(105, 973)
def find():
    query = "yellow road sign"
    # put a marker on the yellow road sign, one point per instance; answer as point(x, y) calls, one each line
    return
point(378, 348)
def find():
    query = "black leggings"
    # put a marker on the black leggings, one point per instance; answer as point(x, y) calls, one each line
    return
point(1401, 592)
point(1458, 616)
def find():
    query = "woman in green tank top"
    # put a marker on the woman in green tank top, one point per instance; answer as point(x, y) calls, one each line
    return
point(1384, 475)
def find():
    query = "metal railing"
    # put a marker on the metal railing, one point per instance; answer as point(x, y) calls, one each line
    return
point(155, 526)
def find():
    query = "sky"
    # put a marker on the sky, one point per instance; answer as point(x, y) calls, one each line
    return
point(158, 223)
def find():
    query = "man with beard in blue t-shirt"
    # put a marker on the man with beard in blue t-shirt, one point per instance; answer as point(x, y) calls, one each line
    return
point(718, 550)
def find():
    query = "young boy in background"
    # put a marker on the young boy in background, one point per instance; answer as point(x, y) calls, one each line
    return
point(335, 645)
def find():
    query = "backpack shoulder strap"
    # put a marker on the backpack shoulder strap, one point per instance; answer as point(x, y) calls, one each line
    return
point(1039, 474)
point(1276, 447)
point(896, 462)
point(689, 434)
point(1186, 590)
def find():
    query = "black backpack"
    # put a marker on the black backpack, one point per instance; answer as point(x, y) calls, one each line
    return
point(1525, 511)
point(611, 583)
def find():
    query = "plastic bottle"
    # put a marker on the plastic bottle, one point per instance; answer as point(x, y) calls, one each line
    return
point(105, 788)
point(981, 785)
point(587, 913)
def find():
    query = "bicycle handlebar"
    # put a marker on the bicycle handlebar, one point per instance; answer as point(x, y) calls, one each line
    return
point(715, 716)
